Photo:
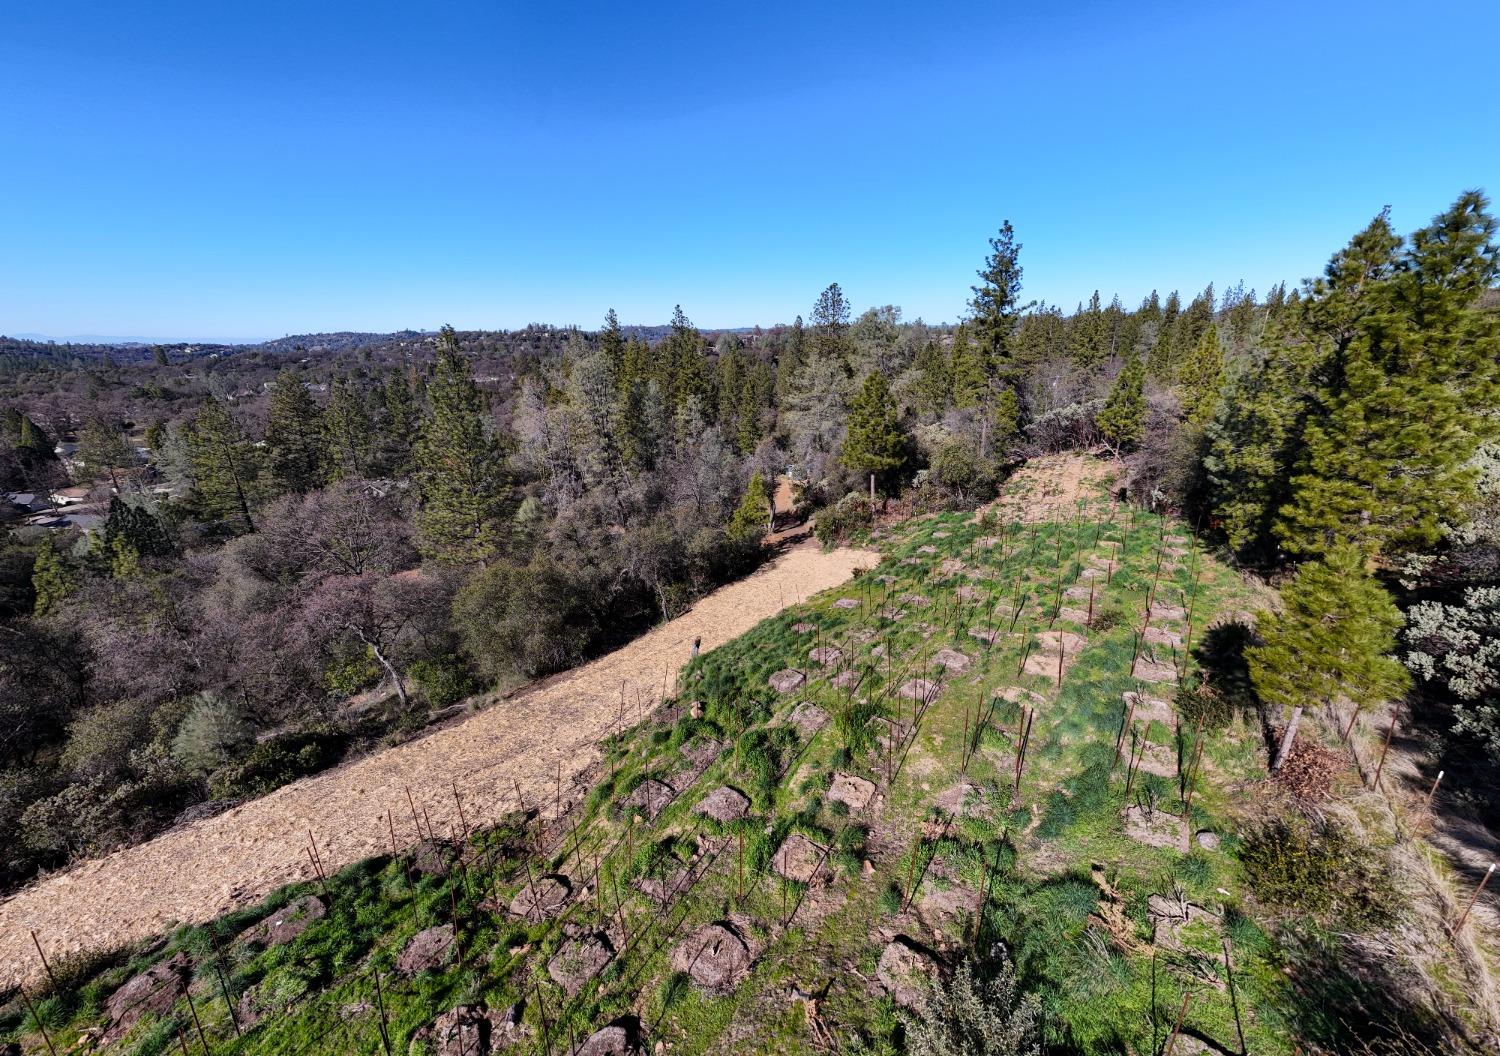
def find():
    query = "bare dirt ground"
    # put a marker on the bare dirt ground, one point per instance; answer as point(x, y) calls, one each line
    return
point(1049, 487)
point(197, 872)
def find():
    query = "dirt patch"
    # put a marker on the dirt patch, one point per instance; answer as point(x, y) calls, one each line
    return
point(826, 656)
point(579, 960)
point(920, 690)
point(787, 681)
point(715, 957)
point(1155, 828)
point(649, 798)
point(200, 871)
point(724, 805)
point(800, 859)
point(853, 792)
point(907, 969)
point(542, 899)
point(1148, 670)
point(287, 922)
point(808, 719)
point(153, 992)
point(1048, 488)
point(951, 660)
point(613, 1040)
point(426, 950)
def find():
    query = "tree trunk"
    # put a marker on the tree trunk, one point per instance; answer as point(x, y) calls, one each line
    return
point(1287, 737)
point(390, 669)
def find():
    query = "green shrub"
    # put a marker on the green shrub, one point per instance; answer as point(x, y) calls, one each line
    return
point(971, 1016)
point(279, 761)
point(848, 517)
point(1196, 701)
point(1319, 869)
point(210, 734)
point(444, 680)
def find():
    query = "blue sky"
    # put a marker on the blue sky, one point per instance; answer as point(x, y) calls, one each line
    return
point(193, 170)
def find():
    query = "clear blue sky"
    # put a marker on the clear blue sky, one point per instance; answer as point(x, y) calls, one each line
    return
point(246, 170)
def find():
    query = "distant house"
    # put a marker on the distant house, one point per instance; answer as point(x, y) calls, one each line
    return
point(29, 501)
point(70, 496)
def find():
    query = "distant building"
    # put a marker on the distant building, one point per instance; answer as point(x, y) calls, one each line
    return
point(70, 496)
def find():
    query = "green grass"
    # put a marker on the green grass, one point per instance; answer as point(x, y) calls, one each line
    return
point(1037, 849)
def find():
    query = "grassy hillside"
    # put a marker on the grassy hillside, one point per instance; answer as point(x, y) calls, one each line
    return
point(882, 824)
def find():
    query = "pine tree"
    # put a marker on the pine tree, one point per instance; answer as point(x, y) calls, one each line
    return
point(997, 299)
point(460, 466)
point(790, 361)
point(966, 372)
point(830, 321)
point(1408, 400)
point(1202, 376)
point(1090, 340)
point(1258, 436)
point(52, 580)
point(224, 466)
point(1331, 639)
point(876, 444)
point(612, 342)
point(1162, 360)
point(294, 437)
point(1122, 421)
point(753, 517)
point(348, 432)
point(102, 450)
point(399, 422)
point(685, 370)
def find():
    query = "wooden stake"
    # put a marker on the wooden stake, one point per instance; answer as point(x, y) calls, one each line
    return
point(1181, 1014)
point(413, 805)
point(38, 1020)
point(1389, 733)
point(1120, 737)
point(1234, 1000)
point(45, 966)
point(193, 1008)
point(1433, 790)
point(1475, 898)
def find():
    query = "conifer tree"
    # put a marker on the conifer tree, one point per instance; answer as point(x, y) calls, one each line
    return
point(1332, 639)
point(102, 450)
point(294, 437)
point(1408, 400)
point(612, 342)
point(224, 466)
point(1090, 340)
point(830, 320)
point(934, 385)
point(966, 372)
point(685, 368)
point(996, 304)
point(752, 518)
point(460, 467)
point(1202, 376)
point(1162, 360)
point(52, 580)
point(348, 432)
point(1122, 421)
point(790, 361)
point(399, 422)
point(876, 444)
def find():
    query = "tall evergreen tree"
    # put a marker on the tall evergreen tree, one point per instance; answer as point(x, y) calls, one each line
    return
point(1122, 420)
point(996, 304)
point(752, 519)
point(399, 421)
point(102, 450)
point(224, 466)
point(348, 432)
point(52, 579)
point(966, 372)
point(1332, 639)
point(876, 444)
point(1408, 401)
point(1202, 376)
point(461, 473)
point(294, 437)
point(1090, 344)
point(830, 321)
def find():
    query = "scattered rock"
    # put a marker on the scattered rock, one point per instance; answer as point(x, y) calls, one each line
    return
point(940, 534)
point(986, 634)
point(808, 718)
point(650, 797)
point(927, 549)
point(723, 804)
point(426, 950)
point(1149, 709)
point(154, 991)
point(287, 922)
point(579, 960)
point(846, 603)
point(906, 970)
point(1158, 759)
point(788, 681)
point(852, 791)
point(919, 689)
point(1078, 616)
point(826, 655)
point(1208, 839)
point(1169, 613)
point(800, 859)
point(701, 753)
point(542, 899)
point(952, 660)
point(714, 956)
point(695, 709)
point(940, 908)
point(613, 1040)
point(1042, 660)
